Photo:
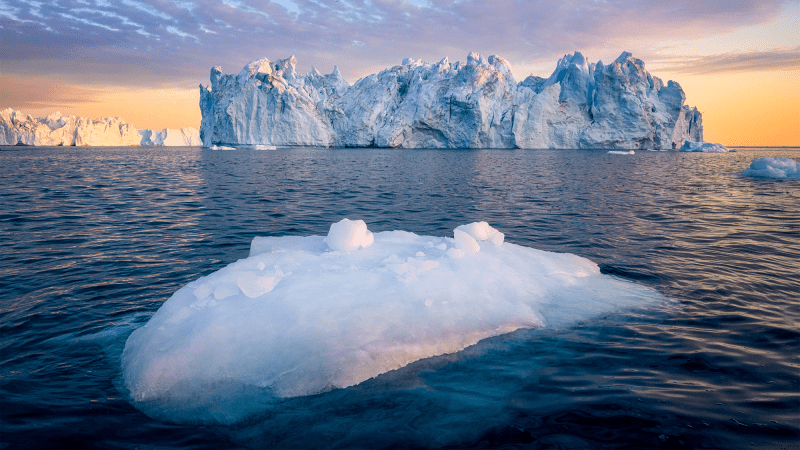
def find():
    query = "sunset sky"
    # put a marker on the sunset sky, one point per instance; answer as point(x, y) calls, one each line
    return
point(738, 61)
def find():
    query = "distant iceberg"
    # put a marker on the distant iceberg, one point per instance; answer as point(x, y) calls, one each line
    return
point(779, 168)
point(472, 104)
point(704, 147)
point(171, 137)
point(17, 128)
point(305, 314)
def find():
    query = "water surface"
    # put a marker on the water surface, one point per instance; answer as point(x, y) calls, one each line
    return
point(94, 240)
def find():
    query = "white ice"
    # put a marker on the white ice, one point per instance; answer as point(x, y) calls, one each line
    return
point(773, 168)
point(57, 130)
point(477, 104)
point(704, 147)
point(303, 315)
point(620, 152)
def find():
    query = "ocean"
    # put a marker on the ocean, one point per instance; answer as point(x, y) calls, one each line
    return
point(94, 240)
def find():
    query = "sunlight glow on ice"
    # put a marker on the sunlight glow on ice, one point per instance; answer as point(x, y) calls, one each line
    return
point(303, 315)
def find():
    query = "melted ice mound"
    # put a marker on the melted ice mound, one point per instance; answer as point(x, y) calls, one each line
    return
point(773, 168)
point(302, 315)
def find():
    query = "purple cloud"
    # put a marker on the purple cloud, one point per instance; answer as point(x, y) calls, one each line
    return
point(163, 42)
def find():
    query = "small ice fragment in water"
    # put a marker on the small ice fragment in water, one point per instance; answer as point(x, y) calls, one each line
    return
point(778, 168)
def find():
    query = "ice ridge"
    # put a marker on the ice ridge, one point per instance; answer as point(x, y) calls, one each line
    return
point(477, 104)
point(55, 129)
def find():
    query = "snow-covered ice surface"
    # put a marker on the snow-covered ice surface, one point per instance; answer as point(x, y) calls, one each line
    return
point(779, 168)
point(704, 147)
point(17, 128)
point(303, 315)
point(477, 104)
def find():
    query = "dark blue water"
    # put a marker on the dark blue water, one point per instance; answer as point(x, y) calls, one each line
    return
point(93, 241)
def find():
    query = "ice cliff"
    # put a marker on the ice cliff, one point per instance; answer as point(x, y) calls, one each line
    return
point(17, 128)
point(477, 104)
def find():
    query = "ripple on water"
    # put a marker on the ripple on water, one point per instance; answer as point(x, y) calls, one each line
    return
point(93, 241)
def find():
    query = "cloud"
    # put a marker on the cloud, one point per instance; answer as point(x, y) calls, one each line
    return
point(775, 59)
point(151, 42)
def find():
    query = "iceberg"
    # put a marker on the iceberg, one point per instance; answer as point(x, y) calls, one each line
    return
point(171, 137)
point(779, 168)
point(472, 104)
point(704, 147)
point(302, 315)
point(17, 128)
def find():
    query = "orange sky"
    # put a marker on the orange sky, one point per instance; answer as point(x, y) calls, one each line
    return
point(739, 109)
point(747, 109)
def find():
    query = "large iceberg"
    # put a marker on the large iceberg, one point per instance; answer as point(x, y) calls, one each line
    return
point(477, 104)
point(17, 128)
point(779, 168)
point(303, 315)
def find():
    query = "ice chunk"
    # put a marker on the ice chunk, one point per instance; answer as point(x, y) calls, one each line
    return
point(348, 235)
point(465, 242)
point(497, 238)
point(254, 286)
point(619, 152)
point(296, 318)
point(705, 147)
point(482, 231)
point(773, 168)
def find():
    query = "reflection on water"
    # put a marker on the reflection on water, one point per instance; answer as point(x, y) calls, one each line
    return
point(92, 241)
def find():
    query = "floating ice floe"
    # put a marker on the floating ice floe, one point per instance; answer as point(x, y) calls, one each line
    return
point(221, 147)
point(303, 315)
point(620, 152)
point(704, 147)
point(773, 168)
